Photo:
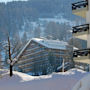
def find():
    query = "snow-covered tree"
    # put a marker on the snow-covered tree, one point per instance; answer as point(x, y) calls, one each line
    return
point(11, 47)
point(24, 38)
point(37, 32)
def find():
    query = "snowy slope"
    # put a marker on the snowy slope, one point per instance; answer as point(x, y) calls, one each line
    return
point(59, 81)
point(57, 20)
point(83, 84)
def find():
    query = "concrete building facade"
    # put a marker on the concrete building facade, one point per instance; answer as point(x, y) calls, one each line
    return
point(82, 56)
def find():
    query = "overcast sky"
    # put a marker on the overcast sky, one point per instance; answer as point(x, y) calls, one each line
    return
point(11, 0)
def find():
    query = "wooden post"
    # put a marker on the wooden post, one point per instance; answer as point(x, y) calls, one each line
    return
point(63, 66)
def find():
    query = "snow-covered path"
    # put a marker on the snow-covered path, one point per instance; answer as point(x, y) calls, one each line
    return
point(55, 81)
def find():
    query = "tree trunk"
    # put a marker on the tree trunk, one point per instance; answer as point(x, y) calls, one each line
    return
point(9, 50)
point(11, 70)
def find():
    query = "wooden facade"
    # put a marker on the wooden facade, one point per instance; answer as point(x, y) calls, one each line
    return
point(36, 54)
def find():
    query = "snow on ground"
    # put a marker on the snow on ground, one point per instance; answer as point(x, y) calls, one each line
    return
point(55, 81)
point(83, 84)
point(57, 20)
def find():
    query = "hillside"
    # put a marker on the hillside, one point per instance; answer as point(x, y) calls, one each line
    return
point(17, 16)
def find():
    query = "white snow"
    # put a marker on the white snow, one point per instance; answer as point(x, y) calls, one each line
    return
point(65, 65)
point(34, 24)
point(5, 1)
point(75, 48)
point(54, 44)
point(55, 81)
point(57, 20)
point(23, 49)
point(83, 84)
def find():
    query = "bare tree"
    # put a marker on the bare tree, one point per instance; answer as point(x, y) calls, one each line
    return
point(12, 45)
point(13, 50)
point(9, 50)
point(1, 61)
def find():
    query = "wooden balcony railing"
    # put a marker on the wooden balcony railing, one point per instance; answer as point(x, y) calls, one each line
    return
point(82, 52)
point(78, 5)
point(81, 28)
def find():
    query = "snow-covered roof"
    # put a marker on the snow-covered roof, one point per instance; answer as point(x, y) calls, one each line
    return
point(75, 48)
point(53, 44)
point(23, 49)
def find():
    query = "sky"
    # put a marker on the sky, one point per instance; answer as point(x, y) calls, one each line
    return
point(11, 0)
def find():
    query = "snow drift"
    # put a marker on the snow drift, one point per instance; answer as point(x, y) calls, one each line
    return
point(83, 84)
point(55, 81)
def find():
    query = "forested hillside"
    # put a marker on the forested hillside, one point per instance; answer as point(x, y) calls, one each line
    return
point(14, 15)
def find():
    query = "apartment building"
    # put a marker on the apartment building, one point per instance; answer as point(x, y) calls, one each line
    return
point(37, 53)
point(82, 56)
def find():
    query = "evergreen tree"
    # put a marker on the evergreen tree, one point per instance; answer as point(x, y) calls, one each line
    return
point(37, 32)
point(24, 38)
point(57, 31)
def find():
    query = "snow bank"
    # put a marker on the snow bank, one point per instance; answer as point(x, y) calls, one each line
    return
point(83, 84)
point(55, 81)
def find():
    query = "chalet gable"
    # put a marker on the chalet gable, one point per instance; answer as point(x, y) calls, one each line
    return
point(53, 44)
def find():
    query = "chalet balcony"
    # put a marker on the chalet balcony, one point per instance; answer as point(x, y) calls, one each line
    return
point(80, 8)
point(81, 31)
point(82, 56)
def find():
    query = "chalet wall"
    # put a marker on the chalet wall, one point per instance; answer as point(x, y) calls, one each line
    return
point(36, 54)
point(88, 21)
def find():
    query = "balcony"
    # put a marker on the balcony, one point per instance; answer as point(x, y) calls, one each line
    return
point(82, 56)
point(80, 8)
point(81, 31)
